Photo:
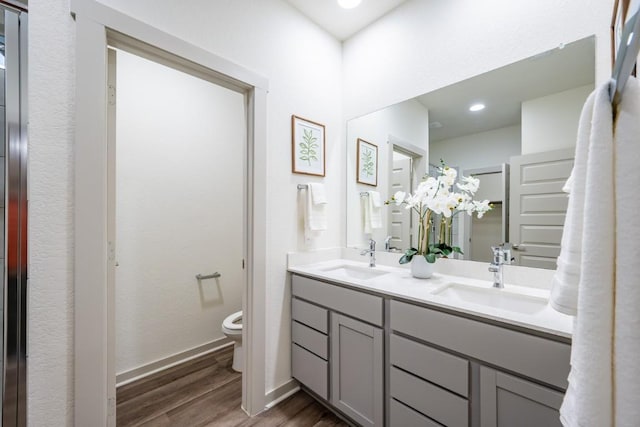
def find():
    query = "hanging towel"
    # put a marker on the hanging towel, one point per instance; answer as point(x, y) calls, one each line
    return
point(584, 281)
point(371, 211)
point(564, 291)
point(318, 194)
point(627, 296)
point(315, 212)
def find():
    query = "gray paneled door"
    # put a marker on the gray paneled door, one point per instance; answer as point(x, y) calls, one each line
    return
point(538, 206)
point(357, 370)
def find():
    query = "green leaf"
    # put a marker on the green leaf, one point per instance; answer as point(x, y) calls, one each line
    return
point(434, 249)
point(458, 250)
point(405, 259)
point(431, 258)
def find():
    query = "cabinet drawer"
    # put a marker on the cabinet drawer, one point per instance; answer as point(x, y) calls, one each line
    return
point(354, 303)
point(310, 339)
point(431, 400)
point(529, 355)
point(310, 370)
point(444, 369)
point(401, 415)
point(310, 315)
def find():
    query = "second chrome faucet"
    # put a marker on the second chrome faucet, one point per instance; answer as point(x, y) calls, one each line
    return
point(372, 253)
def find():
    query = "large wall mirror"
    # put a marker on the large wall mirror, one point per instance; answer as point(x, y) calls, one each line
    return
point(520, 146)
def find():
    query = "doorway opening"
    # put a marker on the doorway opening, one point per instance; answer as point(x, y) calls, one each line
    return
point(176, 146)
point(97, 27)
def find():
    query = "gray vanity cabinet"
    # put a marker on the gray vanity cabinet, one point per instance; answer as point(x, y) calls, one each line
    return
point(506, 400)
point(338, 347)
point(357, 383)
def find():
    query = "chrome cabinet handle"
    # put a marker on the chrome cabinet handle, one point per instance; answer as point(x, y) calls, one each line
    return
point(518, 247)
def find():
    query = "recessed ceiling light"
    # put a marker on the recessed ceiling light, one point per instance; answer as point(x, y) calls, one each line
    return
point(476, 107)
point(349, 4)
point(435, 125)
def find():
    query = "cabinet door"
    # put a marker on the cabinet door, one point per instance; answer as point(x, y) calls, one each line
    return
point(506, 401)
point(357, 370)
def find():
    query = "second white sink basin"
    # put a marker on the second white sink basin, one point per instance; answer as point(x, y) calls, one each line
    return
point(492, 297)
point(354, 272)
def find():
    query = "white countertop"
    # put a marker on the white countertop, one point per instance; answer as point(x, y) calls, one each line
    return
point(400, 284)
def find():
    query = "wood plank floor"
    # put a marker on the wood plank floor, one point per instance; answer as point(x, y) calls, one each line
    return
point(207, 392)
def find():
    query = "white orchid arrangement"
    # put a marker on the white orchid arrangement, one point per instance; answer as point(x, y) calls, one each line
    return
point(436, 196)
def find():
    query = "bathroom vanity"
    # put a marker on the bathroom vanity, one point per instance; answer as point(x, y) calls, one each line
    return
point(382, 348)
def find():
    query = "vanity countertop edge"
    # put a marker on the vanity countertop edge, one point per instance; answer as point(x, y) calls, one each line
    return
point(400, 285)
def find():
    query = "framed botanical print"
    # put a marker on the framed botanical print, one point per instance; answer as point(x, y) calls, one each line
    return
point(367, 163)
point(308, 147)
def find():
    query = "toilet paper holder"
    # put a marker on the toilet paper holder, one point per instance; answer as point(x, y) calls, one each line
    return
point(208, 276)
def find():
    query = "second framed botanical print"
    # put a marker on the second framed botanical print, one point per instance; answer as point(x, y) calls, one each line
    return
point(367, 163)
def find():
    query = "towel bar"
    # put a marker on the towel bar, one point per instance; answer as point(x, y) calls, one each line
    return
point(364, 194)
point(302, 186)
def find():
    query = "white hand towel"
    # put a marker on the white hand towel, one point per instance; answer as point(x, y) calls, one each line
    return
point(371, 214)
point(588, 241)
point(627, 301)
point(318, 193)
point(375, 198)
point(375, 207)
point(315, 215)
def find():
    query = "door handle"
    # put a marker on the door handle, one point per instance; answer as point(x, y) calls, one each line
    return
point(518, 247)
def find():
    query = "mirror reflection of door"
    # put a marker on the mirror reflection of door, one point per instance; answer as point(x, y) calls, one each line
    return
point(539, 206)
point(400, 218)
point(489, 230)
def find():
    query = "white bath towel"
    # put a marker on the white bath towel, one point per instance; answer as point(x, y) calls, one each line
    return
point(371, 214)
point(564, 291)
point(627, 295)
point(588, 241)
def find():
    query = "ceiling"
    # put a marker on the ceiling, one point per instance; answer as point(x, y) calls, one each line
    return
point(343, 23)
point(503, 90)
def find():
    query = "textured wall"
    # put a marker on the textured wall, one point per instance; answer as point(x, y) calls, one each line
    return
point(51, 113)
point(179, 197)
point(425, 45)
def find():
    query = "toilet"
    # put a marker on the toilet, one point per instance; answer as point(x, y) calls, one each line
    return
point(232, 328)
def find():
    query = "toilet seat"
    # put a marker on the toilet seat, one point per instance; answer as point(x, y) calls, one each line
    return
point(233, 322)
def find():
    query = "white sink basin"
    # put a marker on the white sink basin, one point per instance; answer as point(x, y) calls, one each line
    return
point(354, 272)
point(492, 297)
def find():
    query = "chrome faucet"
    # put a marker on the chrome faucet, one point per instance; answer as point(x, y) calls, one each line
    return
point(387, 244)
point(495, 267)
point(372, 253)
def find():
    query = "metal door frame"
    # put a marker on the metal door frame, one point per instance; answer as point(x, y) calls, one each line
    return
point(14, 398)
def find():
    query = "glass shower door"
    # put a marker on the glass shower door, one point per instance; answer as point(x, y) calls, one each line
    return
point(13, 234)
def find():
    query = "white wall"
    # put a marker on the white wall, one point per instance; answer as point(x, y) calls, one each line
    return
point(51, 114)
point(551, 122)
point(479, 150)
point(408, 121)
point(179, 209)
point(425, 45)
point(303, 65)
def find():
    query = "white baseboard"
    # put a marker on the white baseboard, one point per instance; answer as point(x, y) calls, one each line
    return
point(167, 362)
point(279, 394)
